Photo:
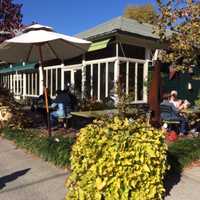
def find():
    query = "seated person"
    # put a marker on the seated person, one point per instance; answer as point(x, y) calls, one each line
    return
point(70, 101)
point(175, 114)
point(179, 104)
point(41, 100)
point(58, 106)
point(62, 104)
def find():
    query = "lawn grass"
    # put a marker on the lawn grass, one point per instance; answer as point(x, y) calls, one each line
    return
point(55, 149)
point(182, 153)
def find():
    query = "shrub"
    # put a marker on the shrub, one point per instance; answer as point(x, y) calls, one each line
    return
point(117, 160)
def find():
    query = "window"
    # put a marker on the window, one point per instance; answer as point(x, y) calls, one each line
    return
point(132, 79)
point(59, 79)
point(130, 51)
point(140, 82)
point(77, 83)
point(95, 81)
point(110, 78)
point(54, 82)
point(49, 81)
point(102, 80)
point(67, 78)
point(122, 75)
point(88, 81)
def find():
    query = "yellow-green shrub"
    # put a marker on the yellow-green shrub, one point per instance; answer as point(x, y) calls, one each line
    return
point(117, 160)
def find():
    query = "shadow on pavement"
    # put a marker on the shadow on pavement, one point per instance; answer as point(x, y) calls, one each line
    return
point(173, 176)
point(12, 177)
point(36, 182)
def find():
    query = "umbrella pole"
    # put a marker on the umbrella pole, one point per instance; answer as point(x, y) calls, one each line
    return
point(45, 95)
point(47, 110)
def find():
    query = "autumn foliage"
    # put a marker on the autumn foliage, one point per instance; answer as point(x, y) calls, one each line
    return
point(183, 18)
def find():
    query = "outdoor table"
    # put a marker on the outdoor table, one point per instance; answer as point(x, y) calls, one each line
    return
point(100, 113)
point(93, 114)
point(191, 111)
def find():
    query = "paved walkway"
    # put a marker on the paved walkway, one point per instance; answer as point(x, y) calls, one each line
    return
point(26, 177)
point(185, 187)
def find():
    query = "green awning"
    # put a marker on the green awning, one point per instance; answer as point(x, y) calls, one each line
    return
point(98, 45)
point(17, 67)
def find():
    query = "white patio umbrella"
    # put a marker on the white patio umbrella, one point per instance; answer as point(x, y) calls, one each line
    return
point(39, 43)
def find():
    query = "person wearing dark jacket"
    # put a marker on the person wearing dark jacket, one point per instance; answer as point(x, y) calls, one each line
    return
point(62, 104)
point(175, 115)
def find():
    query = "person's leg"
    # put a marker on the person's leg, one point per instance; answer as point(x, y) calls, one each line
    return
point(53, 118)
point(183, 125)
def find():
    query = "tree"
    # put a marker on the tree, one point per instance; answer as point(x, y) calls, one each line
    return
point(143, 14)
point(182, 17)
point(10, 18)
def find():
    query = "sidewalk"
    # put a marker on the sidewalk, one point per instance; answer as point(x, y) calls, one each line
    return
point(186, 187)
point(26, 177)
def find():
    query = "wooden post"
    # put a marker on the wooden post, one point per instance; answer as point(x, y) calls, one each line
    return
point(155, 95)
point(45, 95)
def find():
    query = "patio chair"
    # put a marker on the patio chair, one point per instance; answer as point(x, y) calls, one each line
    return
point(169, 117)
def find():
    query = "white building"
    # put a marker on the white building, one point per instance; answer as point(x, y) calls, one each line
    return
point(121, 48)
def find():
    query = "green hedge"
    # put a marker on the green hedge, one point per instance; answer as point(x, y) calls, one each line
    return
point(182, 152)
point(54, 149)
point(117, 160)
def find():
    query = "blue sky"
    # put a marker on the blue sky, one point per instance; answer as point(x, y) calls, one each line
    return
point(73, 16)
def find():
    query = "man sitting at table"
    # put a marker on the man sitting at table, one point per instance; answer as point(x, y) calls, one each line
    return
point(178, 103)
point(175, 115)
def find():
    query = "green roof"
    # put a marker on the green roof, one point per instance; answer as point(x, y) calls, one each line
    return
point(17, 67)
point(119, 24)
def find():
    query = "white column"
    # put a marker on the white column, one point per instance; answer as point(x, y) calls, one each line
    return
point(116, 67)
point(41, 79)
point(56, 79)
point(145, 75)
point(127, 77)
point(29, 80)
point(51, 82)
point(116, 70)
point(106, 84)
point(32, 81)
point(91, 81)
point(136, 81)
point(36, 83)
point(99, 82)
point(17, 79)
point(24, 85)
point(14, 78)
point(62, 77)
point(11, 84)
point(83, 76)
